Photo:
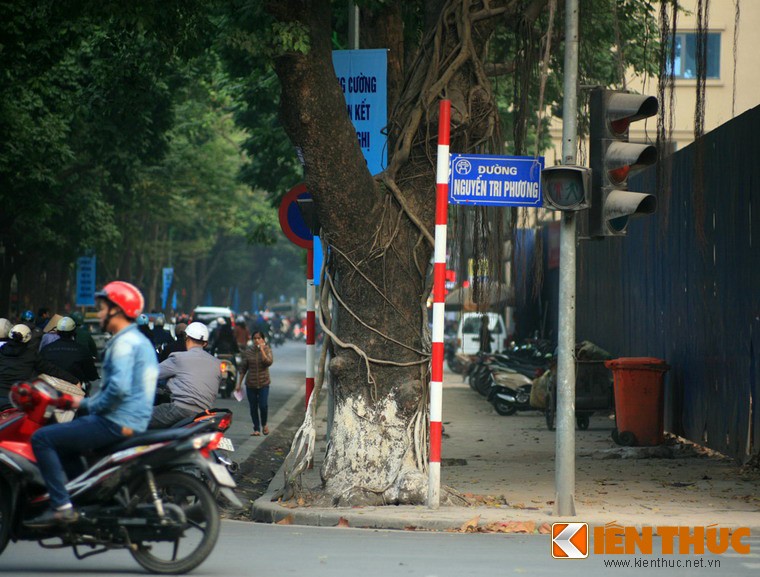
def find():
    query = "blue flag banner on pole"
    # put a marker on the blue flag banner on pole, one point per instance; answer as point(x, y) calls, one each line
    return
point(86, 266)
point(86, 281)
point(168, 276)
point(318, 260)
point(362, 75)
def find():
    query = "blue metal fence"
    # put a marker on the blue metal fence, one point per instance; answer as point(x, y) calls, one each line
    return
point(684, 286)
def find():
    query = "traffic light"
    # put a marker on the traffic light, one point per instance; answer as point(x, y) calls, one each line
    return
point(566, 187)
point(613, 159)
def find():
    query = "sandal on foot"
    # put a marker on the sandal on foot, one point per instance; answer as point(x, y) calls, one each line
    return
point(266, 430)
point(255, 434)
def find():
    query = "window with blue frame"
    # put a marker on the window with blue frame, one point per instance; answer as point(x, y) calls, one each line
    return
point(685, 55)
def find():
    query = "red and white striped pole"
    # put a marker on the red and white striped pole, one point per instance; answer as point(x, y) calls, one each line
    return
point(439, 294)
point(310, 324)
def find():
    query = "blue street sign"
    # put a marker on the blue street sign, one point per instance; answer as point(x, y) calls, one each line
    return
point(495, 180)
point(85, 281)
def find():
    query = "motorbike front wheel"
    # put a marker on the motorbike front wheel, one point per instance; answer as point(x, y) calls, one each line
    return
point(200, 529)
point(503, 407)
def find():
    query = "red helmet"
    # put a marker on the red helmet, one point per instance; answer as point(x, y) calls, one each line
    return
point(125, 296)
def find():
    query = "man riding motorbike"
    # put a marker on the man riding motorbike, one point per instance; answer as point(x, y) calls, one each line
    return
point(121, 408)
point(175, 346)
point(68, 354)
point(194, 377)
point(20, 360)
point(83, 335)
point(161, 335)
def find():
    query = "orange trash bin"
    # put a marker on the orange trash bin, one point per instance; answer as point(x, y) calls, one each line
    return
point(639, 400)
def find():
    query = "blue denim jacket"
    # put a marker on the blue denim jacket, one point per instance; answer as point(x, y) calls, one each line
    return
point(130, 371)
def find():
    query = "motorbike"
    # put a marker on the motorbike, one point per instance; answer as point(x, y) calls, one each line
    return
point(510, 392)
point(217, 420)
point(456, 362)
point(277, 337)
point(485, 364)
point(214, 418)
point(131, 496)
point(229, 370)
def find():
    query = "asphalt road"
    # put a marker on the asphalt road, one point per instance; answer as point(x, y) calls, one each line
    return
point(250, 549)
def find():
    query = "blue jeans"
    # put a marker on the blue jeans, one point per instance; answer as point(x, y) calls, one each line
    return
point(55, 444)
point(258, 401)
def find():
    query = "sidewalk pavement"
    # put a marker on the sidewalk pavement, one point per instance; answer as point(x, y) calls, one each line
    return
point(505, 466)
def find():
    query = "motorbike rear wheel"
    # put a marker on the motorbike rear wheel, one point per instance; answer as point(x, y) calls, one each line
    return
point(549, 413)
point(483, 382)
point(200, 529)
point(5, 516)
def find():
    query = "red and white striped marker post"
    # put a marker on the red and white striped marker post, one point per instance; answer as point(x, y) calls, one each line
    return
point(310, 324)
point(439, 294)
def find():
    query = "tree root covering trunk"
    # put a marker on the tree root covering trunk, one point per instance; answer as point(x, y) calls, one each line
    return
point(374, 458)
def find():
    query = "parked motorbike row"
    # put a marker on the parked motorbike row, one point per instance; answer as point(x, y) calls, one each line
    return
point(152, 494)
point(505, 379)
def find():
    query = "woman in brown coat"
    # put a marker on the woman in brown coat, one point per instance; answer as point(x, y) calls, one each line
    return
point(254, 369)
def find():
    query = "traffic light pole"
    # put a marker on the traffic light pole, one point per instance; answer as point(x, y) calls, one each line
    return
point(564, 503)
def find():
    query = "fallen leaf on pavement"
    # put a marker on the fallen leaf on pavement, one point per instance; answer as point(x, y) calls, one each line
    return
point(471, 525)
point(509, 527)
point(286, 521)
point(343, 522)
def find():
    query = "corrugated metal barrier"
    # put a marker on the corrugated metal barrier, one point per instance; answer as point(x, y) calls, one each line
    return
point(684, 286)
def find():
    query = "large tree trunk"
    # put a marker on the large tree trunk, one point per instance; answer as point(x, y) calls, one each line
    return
point(380, 230)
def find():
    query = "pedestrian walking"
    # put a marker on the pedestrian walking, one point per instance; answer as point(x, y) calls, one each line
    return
point(254, 371)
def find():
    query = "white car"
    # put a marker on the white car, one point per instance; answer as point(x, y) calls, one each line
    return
point(468, 332)
point(208, 315)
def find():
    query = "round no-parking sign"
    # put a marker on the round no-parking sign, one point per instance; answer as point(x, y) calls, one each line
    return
point(291, 219)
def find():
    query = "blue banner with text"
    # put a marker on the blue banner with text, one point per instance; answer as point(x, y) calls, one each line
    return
point(362, 75)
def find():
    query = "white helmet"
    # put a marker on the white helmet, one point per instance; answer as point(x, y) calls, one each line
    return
point(5, 328)
point(20, 334)
point(66, 325)
point(197, 331)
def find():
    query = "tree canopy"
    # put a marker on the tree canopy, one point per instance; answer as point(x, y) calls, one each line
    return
point(118, 140)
